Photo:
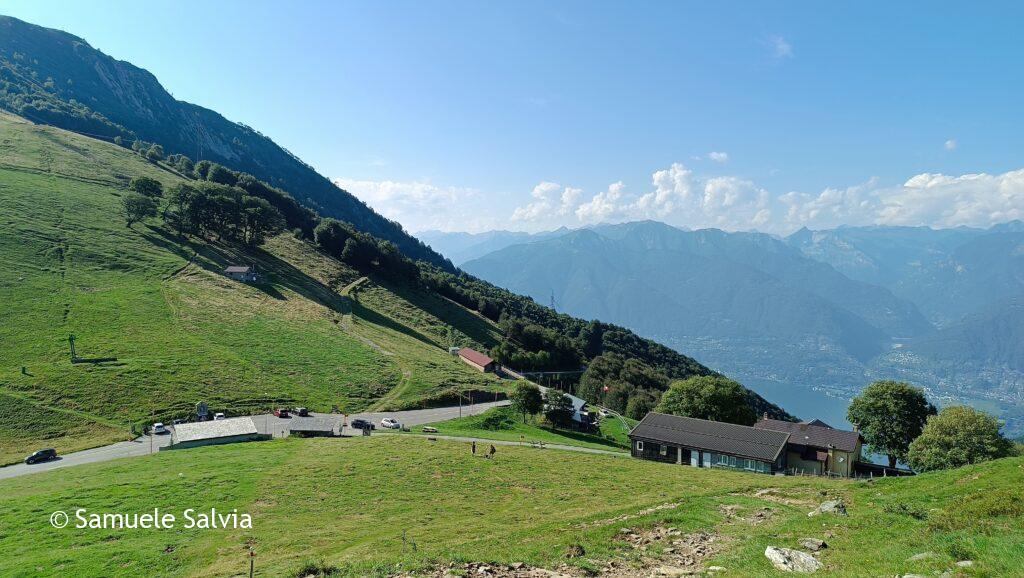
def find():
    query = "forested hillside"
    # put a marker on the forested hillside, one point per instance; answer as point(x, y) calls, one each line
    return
point(53, 77)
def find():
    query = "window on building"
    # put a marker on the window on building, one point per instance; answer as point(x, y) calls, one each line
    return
point(663, 450)
point(639, 446)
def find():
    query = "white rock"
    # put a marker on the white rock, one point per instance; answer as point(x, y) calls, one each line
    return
point(965, 563)
point(922, 556)
point(789, 560)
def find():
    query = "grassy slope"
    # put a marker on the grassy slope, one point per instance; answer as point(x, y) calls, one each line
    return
point(613, 435)
point(347, 502)
point(181, 332)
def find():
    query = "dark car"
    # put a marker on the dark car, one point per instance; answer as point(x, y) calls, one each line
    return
point(360, 423)
point(281, 413)
point(301, 412)
point(42, 456)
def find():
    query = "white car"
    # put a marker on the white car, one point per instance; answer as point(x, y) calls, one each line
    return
point(390, 423)
point(219, 416)
point(604, 412)
point(159, 428)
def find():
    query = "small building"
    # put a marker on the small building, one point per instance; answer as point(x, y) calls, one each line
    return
point(311, 427)
point(817, 448)
point(223, 431)
point(708, 444)
point(478, 360)
point(243, 273)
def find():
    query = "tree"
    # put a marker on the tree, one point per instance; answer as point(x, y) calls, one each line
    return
point(180, 197)
point(146, 186)
point(259, 220)
point(958, 436)
point(136, 207)
point(640, 403)
point(558, 408)
point(890, 415)
point(184, 165)
point(710, 397)
point(526, 399)
point(221, 175)
point(155, 153)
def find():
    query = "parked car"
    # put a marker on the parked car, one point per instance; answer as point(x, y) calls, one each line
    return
point(360, 423)
point(219, 416)
point(301, 412)
point(281, 412)
point(429, 429)
point(390, 423)
point(159, 429)
point(604, 412)
point(178, 422)
point(41, 456)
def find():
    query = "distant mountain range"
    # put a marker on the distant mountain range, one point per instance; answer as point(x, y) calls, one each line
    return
point(462, 247)
point(56, 78)
point(835, 309)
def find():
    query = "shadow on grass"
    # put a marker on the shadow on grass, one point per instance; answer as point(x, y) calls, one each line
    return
point(359, 310)
point(214, 257)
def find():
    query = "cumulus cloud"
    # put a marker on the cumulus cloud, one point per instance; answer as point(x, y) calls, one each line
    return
point(550, 200)
point(419, 205)
point(680, 197)
point(718, 157)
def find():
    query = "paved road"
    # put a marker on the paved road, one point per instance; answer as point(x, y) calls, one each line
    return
point(264, 423)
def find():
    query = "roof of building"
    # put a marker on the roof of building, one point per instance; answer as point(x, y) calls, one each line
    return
point(221, 428)
point(714, 436)
point(816, 422)
point(238, 269)
point(805, 434)
point(475, 356)
point(299, 423)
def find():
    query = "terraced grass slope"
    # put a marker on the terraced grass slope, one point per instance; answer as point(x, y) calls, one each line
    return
point(387, 504)
point(180, 331)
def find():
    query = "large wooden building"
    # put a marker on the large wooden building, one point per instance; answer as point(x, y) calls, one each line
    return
point(707, 444)
point(770, 446)
point(815, 447)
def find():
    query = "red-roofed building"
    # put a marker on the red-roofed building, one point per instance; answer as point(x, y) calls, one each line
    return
point(478, 360)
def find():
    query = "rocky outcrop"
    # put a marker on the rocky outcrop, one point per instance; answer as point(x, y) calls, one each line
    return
point(789, 560)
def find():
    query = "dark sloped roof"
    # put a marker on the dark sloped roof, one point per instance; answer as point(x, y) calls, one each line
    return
point(714, 436)
point(474, 356)
point(805, 434)
point(816, 422)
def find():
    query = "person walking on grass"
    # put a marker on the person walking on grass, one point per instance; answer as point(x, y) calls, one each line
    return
point(491, 452)
point(474, 448)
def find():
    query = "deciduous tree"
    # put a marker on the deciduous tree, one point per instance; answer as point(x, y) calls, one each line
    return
point(890, 415)
point(711, 397)
point(527, 399)
point(557, 408)
point(957, 436)
point(136, 207)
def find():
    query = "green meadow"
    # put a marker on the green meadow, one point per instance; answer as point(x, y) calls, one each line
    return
point(388, 504)
point(180, 331)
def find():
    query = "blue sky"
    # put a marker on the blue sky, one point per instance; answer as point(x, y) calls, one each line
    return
point(530, 115)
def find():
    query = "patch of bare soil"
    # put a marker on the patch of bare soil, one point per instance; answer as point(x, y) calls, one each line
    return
point(731, 513)
point(780, 497)
point(627, 517)
point(657, 552)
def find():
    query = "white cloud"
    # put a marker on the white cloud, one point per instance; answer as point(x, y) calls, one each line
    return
point(780, 48)
point(420, 205)
point(550, 200)
point(604, 206)
point(950, 144)
point(718, 157)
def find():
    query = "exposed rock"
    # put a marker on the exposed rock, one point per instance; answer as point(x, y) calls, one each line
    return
point(789, 560)
point(716, 568)
point(830, 507)
point(922, 556)
point(813, 544)
point(965, 563)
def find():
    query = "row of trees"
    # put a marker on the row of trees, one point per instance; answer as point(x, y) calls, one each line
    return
point(896, 419)
point(364, 252)
point(556, 406)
